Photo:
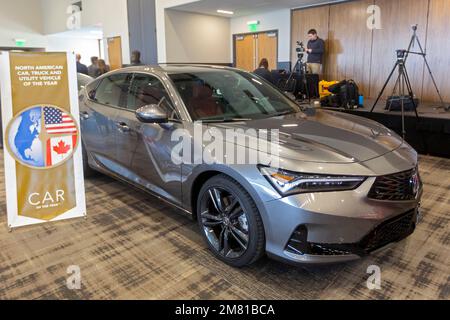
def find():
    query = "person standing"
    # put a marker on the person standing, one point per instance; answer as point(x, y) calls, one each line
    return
point(102, 68)
point(136, 58)
point(263, 70)
point(81, 68)
point(316, 51)
point(92, 69)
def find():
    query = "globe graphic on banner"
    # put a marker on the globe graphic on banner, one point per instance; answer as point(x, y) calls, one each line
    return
point(42, 137)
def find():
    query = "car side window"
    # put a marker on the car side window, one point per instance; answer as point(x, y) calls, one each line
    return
point(146, 90)
point(113, 90)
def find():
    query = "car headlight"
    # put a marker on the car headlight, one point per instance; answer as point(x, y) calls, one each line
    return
point(288, 183)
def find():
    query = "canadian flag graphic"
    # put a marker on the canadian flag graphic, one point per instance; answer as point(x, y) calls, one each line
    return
point(59, 149)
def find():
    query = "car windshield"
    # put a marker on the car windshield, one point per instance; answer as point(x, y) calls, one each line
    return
point(227, 95)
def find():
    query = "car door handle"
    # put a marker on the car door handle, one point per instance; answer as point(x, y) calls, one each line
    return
point(122, 126)
point(84, 115)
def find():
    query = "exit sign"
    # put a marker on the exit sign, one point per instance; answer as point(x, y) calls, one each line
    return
point(20, 42)
point(253, 25)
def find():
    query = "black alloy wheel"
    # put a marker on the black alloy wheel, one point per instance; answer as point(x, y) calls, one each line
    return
point(230, 222)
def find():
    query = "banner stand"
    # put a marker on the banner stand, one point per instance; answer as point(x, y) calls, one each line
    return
point(41, 133)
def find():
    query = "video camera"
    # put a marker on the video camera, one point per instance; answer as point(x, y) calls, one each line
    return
point(300, 49)
point(401, 54)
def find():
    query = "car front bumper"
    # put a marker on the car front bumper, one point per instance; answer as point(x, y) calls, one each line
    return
point(336, 227)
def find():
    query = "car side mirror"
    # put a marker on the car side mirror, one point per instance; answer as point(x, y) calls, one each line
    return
point(152, 113)
point(91, 94)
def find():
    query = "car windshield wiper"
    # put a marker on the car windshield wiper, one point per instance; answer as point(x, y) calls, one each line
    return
point(223, 120)
point(282, 113)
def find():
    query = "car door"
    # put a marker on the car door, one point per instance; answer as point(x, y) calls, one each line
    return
point(98, 118)
point(145, 149)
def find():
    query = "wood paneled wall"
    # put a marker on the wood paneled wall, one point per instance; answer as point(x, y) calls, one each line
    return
point(350, 43)
point(397, 17)
point(438, 49)
point(367, 56)
point(304, 20)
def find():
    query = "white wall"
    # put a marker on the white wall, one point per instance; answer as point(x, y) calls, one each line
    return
point(54, 13)
point(86, 47)
point(197, 38)
point(161, 6)
point(110, 15)
point(21, 19)
point(276, 20)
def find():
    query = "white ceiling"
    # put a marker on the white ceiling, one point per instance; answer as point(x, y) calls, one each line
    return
point(246, 7)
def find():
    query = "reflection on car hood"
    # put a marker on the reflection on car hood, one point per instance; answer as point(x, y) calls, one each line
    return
point(326, 136)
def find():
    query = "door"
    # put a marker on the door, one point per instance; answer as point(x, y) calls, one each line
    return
point(98, 119)
point(251, 48)
point(245, 47)
point(267, 47)
point(145, 150)
point(115, 52)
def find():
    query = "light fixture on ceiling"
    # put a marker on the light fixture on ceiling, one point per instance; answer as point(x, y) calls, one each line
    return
point(225, 12)
point(253, 23)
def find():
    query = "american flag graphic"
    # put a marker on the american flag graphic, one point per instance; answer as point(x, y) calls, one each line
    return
point(58, 122)
point(63, 135)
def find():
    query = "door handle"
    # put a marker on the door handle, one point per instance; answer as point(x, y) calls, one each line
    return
point(84, 115)
point(123, 127)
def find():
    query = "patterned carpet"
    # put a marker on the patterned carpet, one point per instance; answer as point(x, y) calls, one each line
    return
point(133, 246)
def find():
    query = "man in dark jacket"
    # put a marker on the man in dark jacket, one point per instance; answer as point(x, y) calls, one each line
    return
point(316, 51)
point(136, 58)
point(81, 68)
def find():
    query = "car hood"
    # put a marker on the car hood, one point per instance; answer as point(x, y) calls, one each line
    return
point(325, 136)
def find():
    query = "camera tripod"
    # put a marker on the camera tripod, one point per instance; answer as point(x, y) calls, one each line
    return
point(403, 82)
point(414, 39)
point(302, 66)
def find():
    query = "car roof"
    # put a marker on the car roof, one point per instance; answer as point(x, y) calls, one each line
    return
point(175, 68)
point(84, 77)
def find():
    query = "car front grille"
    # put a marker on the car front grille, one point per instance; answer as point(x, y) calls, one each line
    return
point(392, 230)
point(402, 186)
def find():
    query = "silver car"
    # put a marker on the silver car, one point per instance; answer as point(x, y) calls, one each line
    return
point(345, 186)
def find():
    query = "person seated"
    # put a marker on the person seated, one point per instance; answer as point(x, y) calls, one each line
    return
point(263, 71)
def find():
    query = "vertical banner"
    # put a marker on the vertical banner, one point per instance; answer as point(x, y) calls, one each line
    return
point(42, 147)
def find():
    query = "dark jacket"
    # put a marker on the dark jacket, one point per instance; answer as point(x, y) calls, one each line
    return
point(265, 74)
point(318, 50)
point(81, 68)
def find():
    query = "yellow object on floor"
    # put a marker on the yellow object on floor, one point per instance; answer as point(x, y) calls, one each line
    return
point(323, 87)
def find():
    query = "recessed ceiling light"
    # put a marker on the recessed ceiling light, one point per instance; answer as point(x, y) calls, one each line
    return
point(225, 11)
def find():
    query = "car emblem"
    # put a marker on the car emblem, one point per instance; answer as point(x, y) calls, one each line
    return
point(375, 133)
point(415, 183)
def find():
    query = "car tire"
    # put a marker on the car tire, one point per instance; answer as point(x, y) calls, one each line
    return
point(241, 233)
point(88, 171)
